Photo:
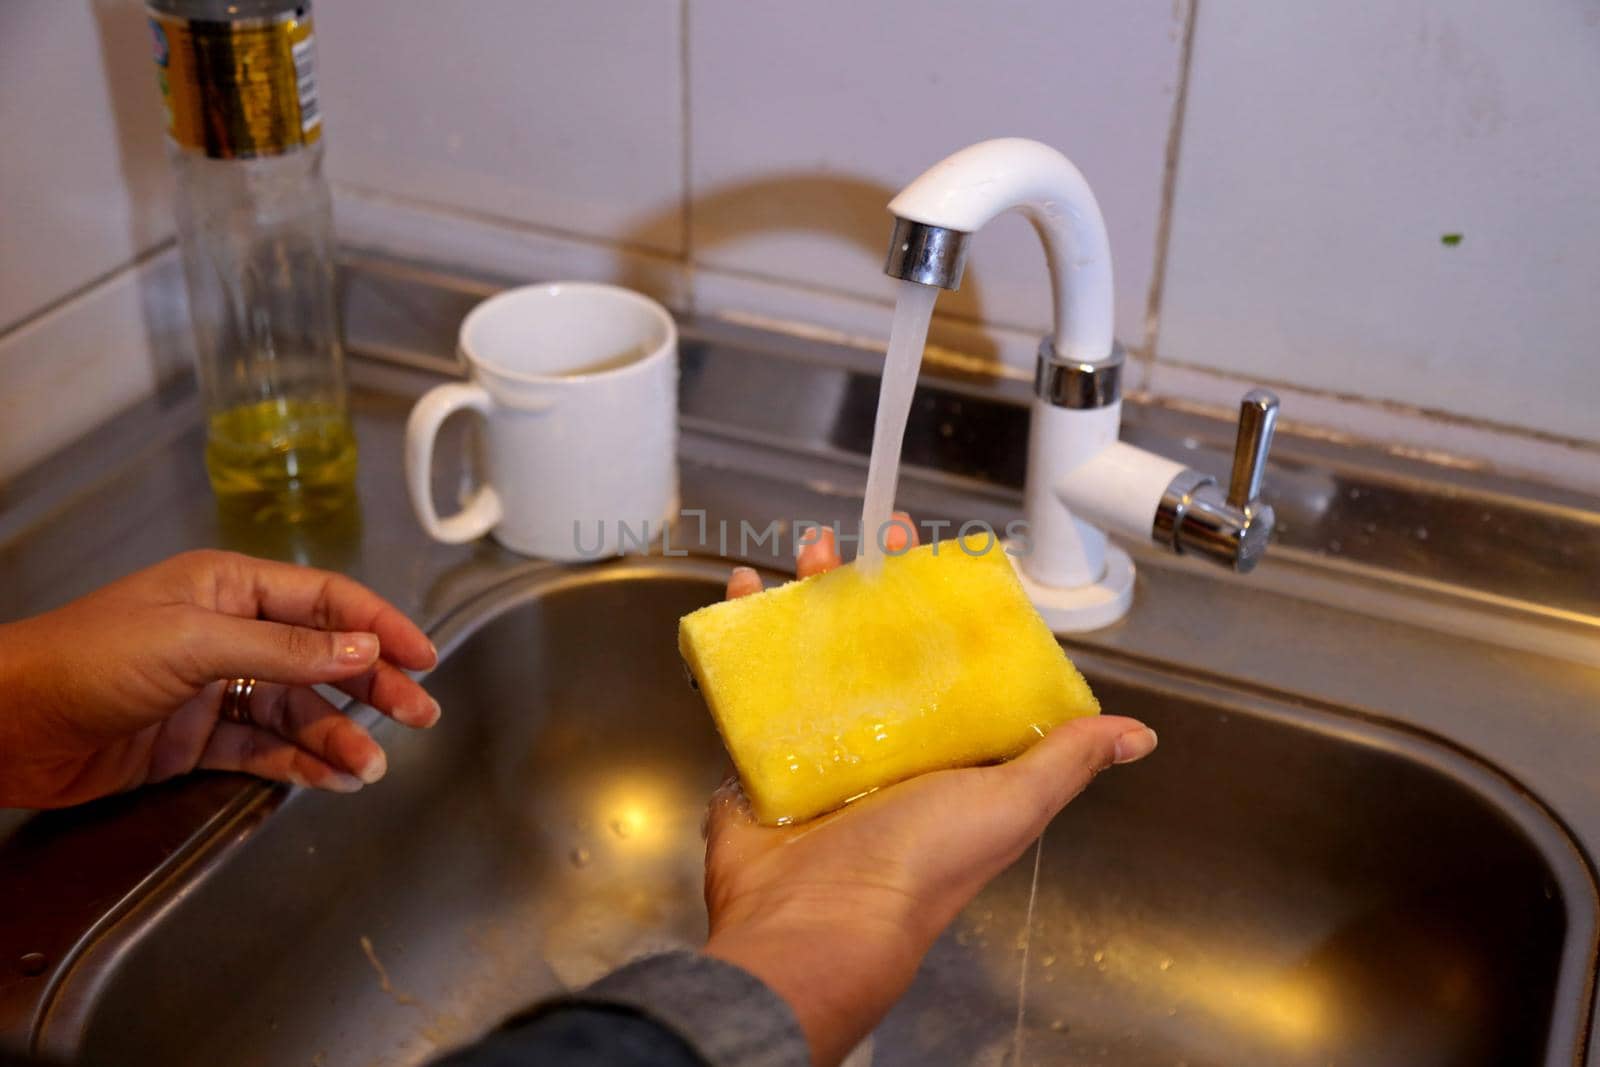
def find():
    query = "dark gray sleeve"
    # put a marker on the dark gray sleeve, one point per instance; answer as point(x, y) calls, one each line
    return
point(680, 1008)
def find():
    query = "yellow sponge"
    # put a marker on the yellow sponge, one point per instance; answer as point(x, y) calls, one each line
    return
point(828, 688)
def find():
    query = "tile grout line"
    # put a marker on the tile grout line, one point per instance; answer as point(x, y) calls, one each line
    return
point(84, 289)
point(687, 174)
point(791, 285)
point(966, 322)
point(822, 289)
point(1169, 186)
point(505, 223)
point(1395, 408)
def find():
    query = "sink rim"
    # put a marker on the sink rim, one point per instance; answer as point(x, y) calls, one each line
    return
point(68, 1001)
point(1571, 868)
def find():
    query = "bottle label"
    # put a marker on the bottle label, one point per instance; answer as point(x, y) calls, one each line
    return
point(235, 90)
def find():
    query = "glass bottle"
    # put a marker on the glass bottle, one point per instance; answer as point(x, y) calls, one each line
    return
point(255, 230)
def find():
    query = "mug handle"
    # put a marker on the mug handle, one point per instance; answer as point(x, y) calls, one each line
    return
point(482, 510)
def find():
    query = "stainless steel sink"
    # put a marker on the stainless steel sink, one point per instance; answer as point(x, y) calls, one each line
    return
point(1280, 884)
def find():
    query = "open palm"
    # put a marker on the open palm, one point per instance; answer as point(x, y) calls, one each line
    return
point(124, 686)
point(836, 914)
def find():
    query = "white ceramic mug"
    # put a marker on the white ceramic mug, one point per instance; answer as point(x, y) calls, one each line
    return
point(577, 385)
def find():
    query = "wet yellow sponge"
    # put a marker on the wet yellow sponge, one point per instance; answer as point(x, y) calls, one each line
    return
point(830, 687)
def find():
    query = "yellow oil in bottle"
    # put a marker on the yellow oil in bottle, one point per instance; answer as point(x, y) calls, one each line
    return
point(282, 459)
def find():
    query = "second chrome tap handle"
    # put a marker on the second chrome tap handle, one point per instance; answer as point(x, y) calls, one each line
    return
point(1258, 415)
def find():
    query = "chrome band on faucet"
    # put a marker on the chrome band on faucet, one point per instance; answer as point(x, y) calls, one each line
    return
point(1174, 505)
point(929, 255)
point(1195, 518)
point(1079, 386)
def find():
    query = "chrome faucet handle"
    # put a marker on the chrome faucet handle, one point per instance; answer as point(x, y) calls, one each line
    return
point(1195, 517)
point(1258, 417)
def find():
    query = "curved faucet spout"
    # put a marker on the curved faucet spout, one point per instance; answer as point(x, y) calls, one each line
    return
point(956, 197)
point(1081, 479)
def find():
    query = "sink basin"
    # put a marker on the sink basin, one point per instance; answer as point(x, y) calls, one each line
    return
point(1280, 884)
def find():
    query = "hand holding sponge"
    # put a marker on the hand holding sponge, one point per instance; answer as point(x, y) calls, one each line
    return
point(830, 687)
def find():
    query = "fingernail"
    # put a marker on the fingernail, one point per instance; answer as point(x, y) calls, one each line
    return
point(1135, 745)
point(341, 783)
point(357, 648)
point(430, 714)
point(435, 650)
point(810, 535)
point(743, 574)
point(376, 768)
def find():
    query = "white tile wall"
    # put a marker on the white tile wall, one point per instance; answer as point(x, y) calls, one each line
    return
point(737, 154)
point(806, 118)
point(1328, 146)
point(562, 115)
point(66, 370)
point(83, 175)
point(1475, 446)
point(490, 247)
point(981, 347)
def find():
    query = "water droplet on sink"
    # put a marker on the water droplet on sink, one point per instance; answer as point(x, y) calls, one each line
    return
point(580, 857)
point(1191, 443)
point(1058, 1025)
point(32, 964)
point(1099, 956)
point(1335, 546)
point(1048, 961)
point(1422, 533)
point(1165, 965)
point(621, 828)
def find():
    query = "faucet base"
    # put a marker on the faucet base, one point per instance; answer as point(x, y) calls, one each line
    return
point(1087, 607)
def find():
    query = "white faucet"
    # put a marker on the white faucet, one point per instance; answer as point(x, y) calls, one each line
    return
point(1081, 481)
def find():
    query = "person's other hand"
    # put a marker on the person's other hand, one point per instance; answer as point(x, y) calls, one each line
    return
point(835, 915)
point(124, 686)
